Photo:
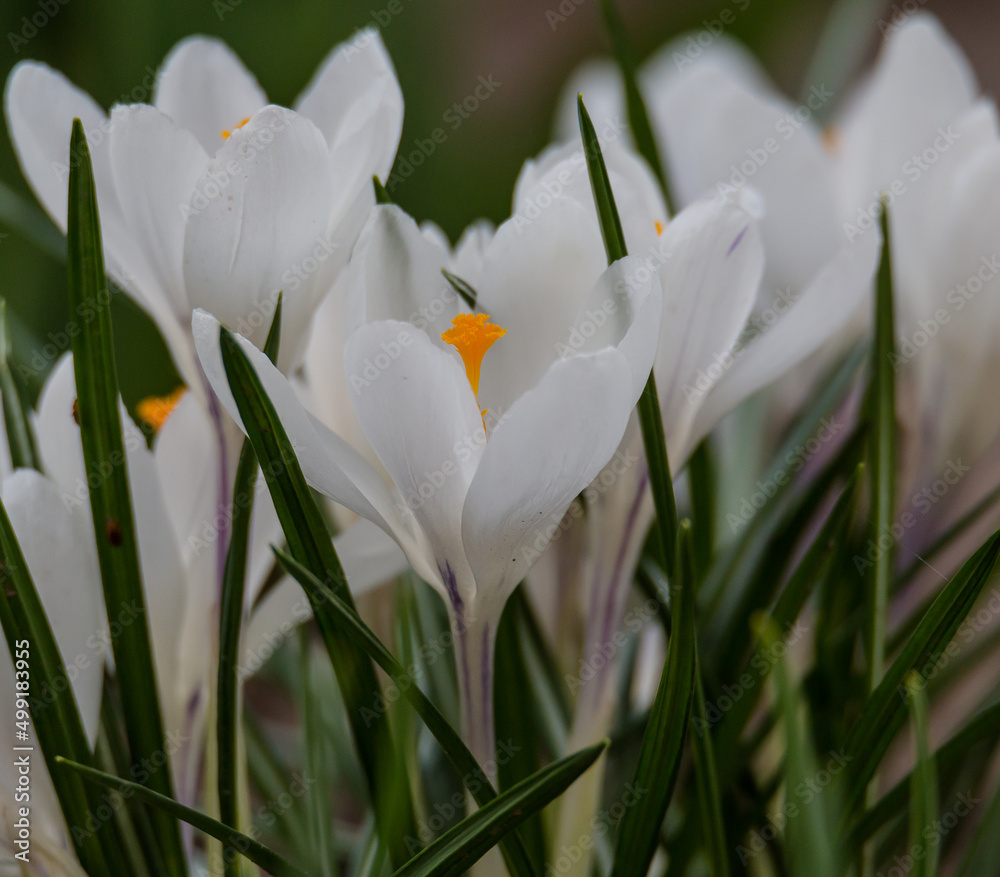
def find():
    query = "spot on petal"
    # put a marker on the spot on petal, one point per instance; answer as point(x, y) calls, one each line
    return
point(154, 410)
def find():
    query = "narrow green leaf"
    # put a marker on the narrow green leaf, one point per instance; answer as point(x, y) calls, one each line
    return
point(309, 542)
point(54, 715)
point(663, 743)
point(708, 789)
point(984, 726)
point(234, 841)
point(885, 710)
point(923, 787)
point(882, 399)
point(811, 570)
point(231, 620)
point(110, 497)
point(465, 764)
point(20, 435)
point(982, 856)
point(650, 418)
point(638, 118)
point(810, 835)
point(701, 477)
point(381, 195)
point(462, 287)
point(464, 844)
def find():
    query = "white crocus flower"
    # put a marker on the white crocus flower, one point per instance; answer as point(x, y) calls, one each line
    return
point(917, 130)
point(477, 453)
point(60, 556)
point(211, 197)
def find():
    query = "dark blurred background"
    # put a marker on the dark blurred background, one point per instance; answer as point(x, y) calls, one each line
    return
point(440, 48)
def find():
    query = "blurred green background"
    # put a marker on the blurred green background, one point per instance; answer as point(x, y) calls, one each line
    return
point(440, 48)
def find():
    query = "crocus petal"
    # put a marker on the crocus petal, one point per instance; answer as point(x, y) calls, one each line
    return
point(550, 445)
point(825, 306)
point(205, 88)
point(922, 82)
point(328, 463)
point(62, 562)
point(395, 274)
point(398, 376)
point(40, 106)
point(263, 231)
point(600, 83)
point(712, 265)
point(355, 100)
point(156, 165)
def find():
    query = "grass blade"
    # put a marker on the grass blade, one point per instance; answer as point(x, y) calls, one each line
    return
point(882, 451)
point(54, 715)
point(458, 753)
point(234, 841)
point(110, 497)
point(464, 844)
point(884, 711)
point(663, 743)
point(650, 419)
point(20, 435)
point(231, 620)
point(923, 783)
point(708, 789)
point(309, 541)
point(638, 118)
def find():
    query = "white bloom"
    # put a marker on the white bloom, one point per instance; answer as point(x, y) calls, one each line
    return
point(212, 198)
point(60, 556)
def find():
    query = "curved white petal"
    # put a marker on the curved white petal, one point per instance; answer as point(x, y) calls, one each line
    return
point(825, 306)
point(712, 265)
point(263, 232)
point(205, 88)
point(156, 165)
point(600, 83)
point(551, 444)
point(395, 274)
point(328, 463)
point(418, 410)
point(922, 82)
point(355, 100)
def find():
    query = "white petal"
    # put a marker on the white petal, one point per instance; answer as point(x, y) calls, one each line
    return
point(355, 100)
point(922, 82)
point(205, 88)
point(418, 410)
point(264, 230)
point(712, 264)
point(328, 463)
point(395, 274)
point(156, 165)
point(551, 444)
point(63, 566)
point(825, 307)
point(600, 83)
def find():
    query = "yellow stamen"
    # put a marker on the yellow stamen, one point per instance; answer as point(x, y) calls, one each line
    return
point(659, 227)
point(831, 140)
point(472, 336)
point(154, 410)
point(227, 134)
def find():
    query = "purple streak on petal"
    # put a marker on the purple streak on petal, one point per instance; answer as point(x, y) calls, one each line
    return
point(451, 586)
point(736, 242)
